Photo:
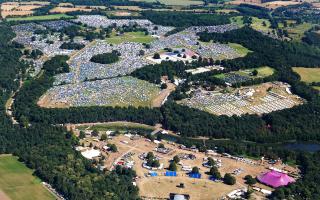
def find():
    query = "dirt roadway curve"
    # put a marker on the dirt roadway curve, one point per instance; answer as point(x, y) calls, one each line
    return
point(3, 196)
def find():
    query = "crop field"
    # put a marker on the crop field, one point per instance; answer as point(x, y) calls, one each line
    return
point(40, 18)
point(60, 9)
point(139, 37)
point(17, 181)
point(20, 8)
point(176, 2)
point(308, 75)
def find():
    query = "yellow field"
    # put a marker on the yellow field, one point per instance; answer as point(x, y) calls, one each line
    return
point(20, 9)
point(308, 75)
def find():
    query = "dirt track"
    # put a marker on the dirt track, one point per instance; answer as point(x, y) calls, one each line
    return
point(3, 196)
point(158, 101)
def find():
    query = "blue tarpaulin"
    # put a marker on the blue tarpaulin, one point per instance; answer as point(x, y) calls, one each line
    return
point(212, 178)
point(152, 174)
point(171, 173)
point(195, 175)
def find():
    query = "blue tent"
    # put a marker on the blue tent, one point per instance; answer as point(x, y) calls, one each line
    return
point(212, 178)
point(195, 175)
point(153, 174)
point(170, 173)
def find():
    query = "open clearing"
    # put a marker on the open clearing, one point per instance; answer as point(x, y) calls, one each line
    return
point(262, 73)
point(241, 50)
point(308, 75)
point(176, 2)
point(20, 9)
point(257, 23)
point(40, 18)
point(297, 32)
point(60, 9)
point(17, 181)
point(270, 5)
point(161, 186)
point(139, 37)
point(114, 126)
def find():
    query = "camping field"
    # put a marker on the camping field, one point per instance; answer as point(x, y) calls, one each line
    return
point(139, 37)
point(18, 183)
point(40, 18)
point(308, 75)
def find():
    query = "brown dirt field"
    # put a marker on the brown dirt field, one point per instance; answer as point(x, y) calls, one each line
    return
point(197, 189)
point(157, 102)
point(271, 5)
point(317, 5)
point(65, 5)
point(20, 9)
point(67, 9)
point(46, 102)
point(203, 187)
point(3, 196)
point(134, 8)
point(122, 13)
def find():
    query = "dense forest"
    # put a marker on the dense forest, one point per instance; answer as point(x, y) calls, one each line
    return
point(185, 19)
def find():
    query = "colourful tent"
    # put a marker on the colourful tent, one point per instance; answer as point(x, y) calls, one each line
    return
point(275, 179)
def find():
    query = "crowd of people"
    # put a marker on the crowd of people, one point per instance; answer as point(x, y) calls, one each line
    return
point(102, 21)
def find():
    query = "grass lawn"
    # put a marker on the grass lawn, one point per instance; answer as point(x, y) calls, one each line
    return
point(17, 181)
point(176, 2)
point(308, 75)
point(239, 49)
point(262, 72)
point(297, 32)
point(316, 87)
point(256, 23)
point(40, 18)
point(121, 126)
point(139, 37)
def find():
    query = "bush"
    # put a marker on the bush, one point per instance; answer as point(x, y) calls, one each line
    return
point(105, 58)
point(229, 179)
point(173, 166)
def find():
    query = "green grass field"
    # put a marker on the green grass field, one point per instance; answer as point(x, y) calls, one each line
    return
point(17, 181)
point(139, 37)
point(257, 23)
point(262, 72)
point(241, 50)
point(119, 126)
point(40, 18)
point(308, 75)
point(297, 32)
